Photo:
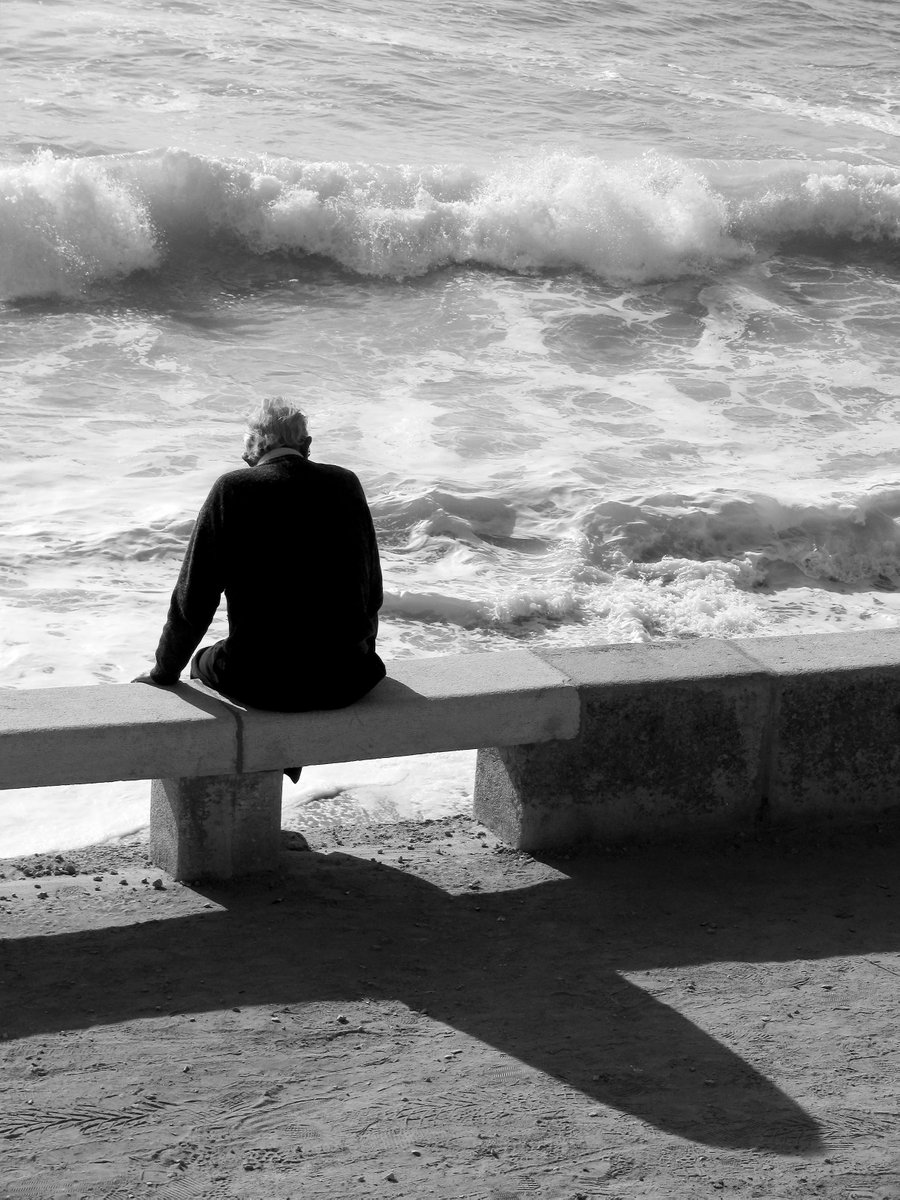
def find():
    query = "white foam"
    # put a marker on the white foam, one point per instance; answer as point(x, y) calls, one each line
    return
point(68, 222)
point(65, 222)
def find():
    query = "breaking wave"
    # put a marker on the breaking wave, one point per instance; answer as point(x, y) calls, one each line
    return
point(669, 566)
point(853, 541)
point(66, 223)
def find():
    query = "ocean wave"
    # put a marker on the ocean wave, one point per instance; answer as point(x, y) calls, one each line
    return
point(672, 599)
point(414, 519)
point(520, 564)
point(66, 223)
point(514, 607)
point(853, 540)
point(660, 566)
point(856, 541)
point(641, 568)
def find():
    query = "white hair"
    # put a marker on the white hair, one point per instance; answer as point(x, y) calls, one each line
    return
point(277, 422)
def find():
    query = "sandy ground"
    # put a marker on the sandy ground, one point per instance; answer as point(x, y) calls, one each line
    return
point(416, 1011)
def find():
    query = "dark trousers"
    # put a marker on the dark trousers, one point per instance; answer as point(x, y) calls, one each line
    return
point(333, 685)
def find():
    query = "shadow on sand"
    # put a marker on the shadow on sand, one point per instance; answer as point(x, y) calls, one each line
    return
point(535, 971)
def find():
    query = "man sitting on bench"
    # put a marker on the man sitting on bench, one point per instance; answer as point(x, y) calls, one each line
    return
point(291, 544)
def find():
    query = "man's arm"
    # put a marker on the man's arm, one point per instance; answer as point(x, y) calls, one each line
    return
point(196, 595)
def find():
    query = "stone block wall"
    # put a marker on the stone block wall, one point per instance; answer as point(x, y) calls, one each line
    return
point(706, 737)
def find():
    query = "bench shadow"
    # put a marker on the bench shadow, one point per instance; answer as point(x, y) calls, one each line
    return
point(196, 695)
point(535, 972)
point(195, 692)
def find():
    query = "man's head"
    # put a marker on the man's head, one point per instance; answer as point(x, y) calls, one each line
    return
point(277, 422)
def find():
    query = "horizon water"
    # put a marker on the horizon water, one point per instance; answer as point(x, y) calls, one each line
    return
point(599, 301)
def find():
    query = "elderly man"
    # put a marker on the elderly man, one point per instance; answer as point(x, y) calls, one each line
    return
point(291, 544)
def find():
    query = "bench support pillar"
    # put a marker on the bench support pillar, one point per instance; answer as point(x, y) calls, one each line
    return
point(216, 827)
point(518, 798)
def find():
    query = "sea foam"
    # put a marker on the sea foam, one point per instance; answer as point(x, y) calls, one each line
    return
point(855, 540)
point(661, 565)
point(66, 222)
point(69, 222)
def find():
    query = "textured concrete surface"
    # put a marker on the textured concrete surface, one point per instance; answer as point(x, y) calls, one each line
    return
point(639, 664)
point(215, 827)
point(605, 743)
point(112, 731)
point(703, 737)
point(668, 739)
point(835, 744)
point(427, 705)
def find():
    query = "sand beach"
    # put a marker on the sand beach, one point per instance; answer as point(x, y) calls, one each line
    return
point(413, 1010)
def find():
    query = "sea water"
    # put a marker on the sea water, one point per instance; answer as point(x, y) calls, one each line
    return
point(599, 300)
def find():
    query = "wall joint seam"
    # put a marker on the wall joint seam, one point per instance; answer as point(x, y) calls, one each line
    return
point(768, 750)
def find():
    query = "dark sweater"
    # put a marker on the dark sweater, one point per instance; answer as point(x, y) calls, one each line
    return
point(292, 545)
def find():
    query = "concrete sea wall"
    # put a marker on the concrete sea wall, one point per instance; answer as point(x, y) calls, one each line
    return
point(706, 737)
point(605, 744)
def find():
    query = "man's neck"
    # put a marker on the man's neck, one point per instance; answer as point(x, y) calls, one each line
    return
point(278, 452)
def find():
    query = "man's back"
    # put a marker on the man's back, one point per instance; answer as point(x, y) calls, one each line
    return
point(291, 544)
point(301, 560)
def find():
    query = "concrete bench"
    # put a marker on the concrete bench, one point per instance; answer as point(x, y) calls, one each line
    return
point(217, 767)
point(603, 744)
